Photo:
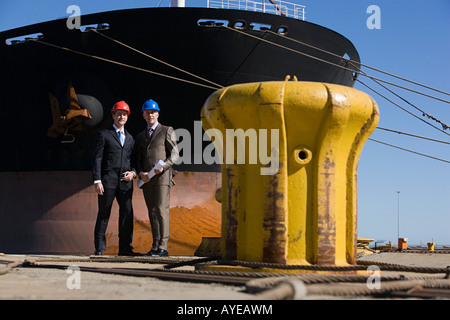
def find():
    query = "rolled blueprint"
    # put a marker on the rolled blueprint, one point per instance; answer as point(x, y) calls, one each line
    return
point(151, 173)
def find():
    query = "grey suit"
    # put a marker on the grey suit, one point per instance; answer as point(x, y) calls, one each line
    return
point(160, 146)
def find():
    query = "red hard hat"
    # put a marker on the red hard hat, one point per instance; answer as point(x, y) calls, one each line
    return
point(121, 105)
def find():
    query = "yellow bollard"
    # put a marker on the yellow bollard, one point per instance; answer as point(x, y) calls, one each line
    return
point(299, 207)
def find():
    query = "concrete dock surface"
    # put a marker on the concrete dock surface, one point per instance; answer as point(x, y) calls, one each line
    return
point(66, 277)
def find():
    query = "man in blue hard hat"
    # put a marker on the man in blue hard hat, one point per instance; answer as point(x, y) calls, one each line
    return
point(157, 142)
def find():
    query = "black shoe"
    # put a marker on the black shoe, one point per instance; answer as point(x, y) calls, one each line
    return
point(98, 253)
point(129, 253)
point(160, 253)
point(151, 252)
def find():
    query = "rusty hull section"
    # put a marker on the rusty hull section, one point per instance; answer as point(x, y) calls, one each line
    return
point(55, 212)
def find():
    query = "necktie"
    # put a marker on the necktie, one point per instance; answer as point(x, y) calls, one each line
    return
point(149, 133)
point(121, 137)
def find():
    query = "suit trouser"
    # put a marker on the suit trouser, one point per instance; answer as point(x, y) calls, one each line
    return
point(157, 199)
point(105, 201)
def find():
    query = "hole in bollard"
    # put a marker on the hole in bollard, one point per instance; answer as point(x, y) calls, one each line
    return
point(302, 155)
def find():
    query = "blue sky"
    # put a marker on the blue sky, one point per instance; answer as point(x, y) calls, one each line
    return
point(414, 43)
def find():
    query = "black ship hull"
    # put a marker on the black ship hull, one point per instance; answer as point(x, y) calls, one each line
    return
point(41, 182)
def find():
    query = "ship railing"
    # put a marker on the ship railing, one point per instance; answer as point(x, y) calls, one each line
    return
point(277, 7)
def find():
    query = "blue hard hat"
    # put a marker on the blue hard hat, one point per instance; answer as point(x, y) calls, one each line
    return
point(150, 105)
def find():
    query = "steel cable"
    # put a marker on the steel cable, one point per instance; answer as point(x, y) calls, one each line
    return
point(331, 63)
point(257, 285)
point(349, 289)
point(407, 150)
point(362, 64)
point(158, 60)
point(122, 64)
point(412, 135)
point(444, 125)
point(9, 267)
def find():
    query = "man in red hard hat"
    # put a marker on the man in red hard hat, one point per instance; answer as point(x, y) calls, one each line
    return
point(113, 179)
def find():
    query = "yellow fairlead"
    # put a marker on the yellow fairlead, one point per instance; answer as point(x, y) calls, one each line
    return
point(290, 153)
